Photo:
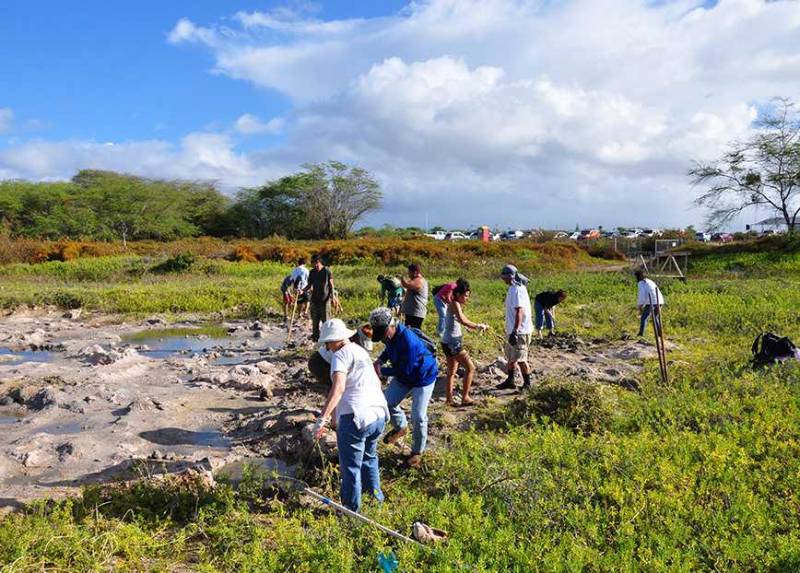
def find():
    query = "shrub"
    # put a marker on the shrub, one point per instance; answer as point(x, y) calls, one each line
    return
point(580, 406)
point(243, 253)
point(180, 263)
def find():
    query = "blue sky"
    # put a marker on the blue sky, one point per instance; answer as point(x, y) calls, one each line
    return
point(522, 113)
point(103, 70)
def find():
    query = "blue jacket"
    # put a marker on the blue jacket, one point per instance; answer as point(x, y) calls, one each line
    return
point(412, 363)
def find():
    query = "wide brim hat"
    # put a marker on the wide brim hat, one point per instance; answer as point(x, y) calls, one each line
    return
point(334, 330)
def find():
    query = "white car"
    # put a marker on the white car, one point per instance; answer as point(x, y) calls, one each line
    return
point(437, 236)
point(574, 236)
point(455, 236)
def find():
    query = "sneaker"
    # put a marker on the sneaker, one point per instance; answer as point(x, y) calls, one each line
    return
point(395, 435)
point(509, 384)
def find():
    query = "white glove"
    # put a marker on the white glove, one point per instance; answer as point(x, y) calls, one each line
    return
point(320, 427)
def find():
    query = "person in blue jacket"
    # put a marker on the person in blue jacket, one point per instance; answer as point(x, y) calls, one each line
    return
point(412, 367)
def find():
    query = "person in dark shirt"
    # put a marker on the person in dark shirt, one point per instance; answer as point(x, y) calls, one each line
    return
point(320, 287)
point(544, 309)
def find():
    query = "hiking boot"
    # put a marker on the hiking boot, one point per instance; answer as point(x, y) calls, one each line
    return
point(509, 384)
point(414, 460)
point(395, 435)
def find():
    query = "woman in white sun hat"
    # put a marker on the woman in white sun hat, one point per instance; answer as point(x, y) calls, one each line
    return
point(361, 413)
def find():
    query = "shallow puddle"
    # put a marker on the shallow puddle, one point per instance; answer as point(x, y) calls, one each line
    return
point(234, 471)
point(10, 357)
point(59, 429)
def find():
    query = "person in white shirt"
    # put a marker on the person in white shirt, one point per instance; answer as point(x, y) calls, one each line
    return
point(519, 327)
point(361, 410)
point(649, 294)
point(299, 278)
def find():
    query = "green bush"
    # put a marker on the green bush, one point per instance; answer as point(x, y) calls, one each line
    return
point(180, 263)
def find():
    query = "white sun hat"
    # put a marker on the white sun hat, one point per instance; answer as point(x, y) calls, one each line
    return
point(333, 330)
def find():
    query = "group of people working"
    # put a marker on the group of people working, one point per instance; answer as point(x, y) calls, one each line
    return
point(362, 408)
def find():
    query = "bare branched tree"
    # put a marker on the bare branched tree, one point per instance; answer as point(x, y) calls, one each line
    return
point(762, 171)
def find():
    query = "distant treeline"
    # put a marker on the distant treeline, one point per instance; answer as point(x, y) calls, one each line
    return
point(323, 201)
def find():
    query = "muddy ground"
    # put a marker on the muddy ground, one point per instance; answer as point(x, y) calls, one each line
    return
point(92, 398)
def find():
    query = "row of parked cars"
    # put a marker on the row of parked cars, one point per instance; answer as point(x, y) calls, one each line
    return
point(474, 235)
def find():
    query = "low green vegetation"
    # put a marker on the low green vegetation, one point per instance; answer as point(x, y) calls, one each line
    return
point(699, 475)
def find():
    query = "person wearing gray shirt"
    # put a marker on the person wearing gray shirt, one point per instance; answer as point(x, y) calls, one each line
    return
point(415, 303)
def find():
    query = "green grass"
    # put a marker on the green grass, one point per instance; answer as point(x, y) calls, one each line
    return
point(700, 475)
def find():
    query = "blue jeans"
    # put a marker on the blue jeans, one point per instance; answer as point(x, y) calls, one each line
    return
point(358, 460)
point(420, 397)
point(542, 317)
point(646, 316)
point(441, 310)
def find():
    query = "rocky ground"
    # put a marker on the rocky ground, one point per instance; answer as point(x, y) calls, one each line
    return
point(88, 399)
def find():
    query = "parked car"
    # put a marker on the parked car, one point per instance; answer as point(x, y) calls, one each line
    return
point(438, 235)
point(561, 235)
point(702, 237)
point(722, 237)
point(574, 236)
point(630, 233)
point(455, 236)
point(589, 234)
point(512, 235)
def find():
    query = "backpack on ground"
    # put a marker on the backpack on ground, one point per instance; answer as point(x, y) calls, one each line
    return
point(426, 340)
point(769, 348)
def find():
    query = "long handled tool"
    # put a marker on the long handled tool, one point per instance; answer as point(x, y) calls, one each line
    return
point(291, 320)
point(659, 334)
point(304, 487)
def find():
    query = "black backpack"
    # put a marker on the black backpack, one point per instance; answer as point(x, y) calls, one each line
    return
point(426, 340)
point(773, 348)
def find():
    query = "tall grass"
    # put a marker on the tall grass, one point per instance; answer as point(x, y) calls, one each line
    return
point(699, 475)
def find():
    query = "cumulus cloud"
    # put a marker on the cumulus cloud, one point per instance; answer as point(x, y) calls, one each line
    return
point(249, 124)
point(515, 112)
point(206, 156)
point(6, 119)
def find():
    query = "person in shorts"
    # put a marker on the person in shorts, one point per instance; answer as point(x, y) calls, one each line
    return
point(519, 327)
point(453, 343)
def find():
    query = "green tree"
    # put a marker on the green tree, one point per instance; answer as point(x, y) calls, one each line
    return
point(762, 171)
point(339, 196)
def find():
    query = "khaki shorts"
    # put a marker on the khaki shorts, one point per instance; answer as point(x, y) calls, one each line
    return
point(518, 353)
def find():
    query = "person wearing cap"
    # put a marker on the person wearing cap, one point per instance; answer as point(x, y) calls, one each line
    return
point(415, 303)
point(361, 411)
point(413, 370)
point(519, 327)
point(320, 285)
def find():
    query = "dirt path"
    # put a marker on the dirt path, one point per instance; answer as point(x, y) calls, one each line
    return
point(93, 399)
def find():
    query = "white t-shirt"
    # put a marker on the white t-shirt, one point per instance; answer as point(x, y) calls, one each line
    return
point(518, 297)
point(649, 291)
point(362, 396)
point(300, 274)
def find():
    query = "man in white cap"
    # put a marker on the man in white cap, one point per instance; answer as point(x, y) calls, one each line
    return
point(362, 412)
point(519, 327)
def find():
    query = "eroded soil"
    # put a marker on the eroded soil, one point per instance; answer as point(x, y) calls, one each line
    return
point(89, 399)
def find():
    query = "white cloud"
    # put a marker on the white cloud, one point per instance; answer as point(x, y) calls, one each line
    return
point(207, 156)
point(248, 124)
point(6, 119)
point(518, 112)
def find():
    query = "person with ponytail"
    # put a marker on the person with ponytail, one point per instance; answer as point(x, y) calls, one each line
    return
point(452, 343)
